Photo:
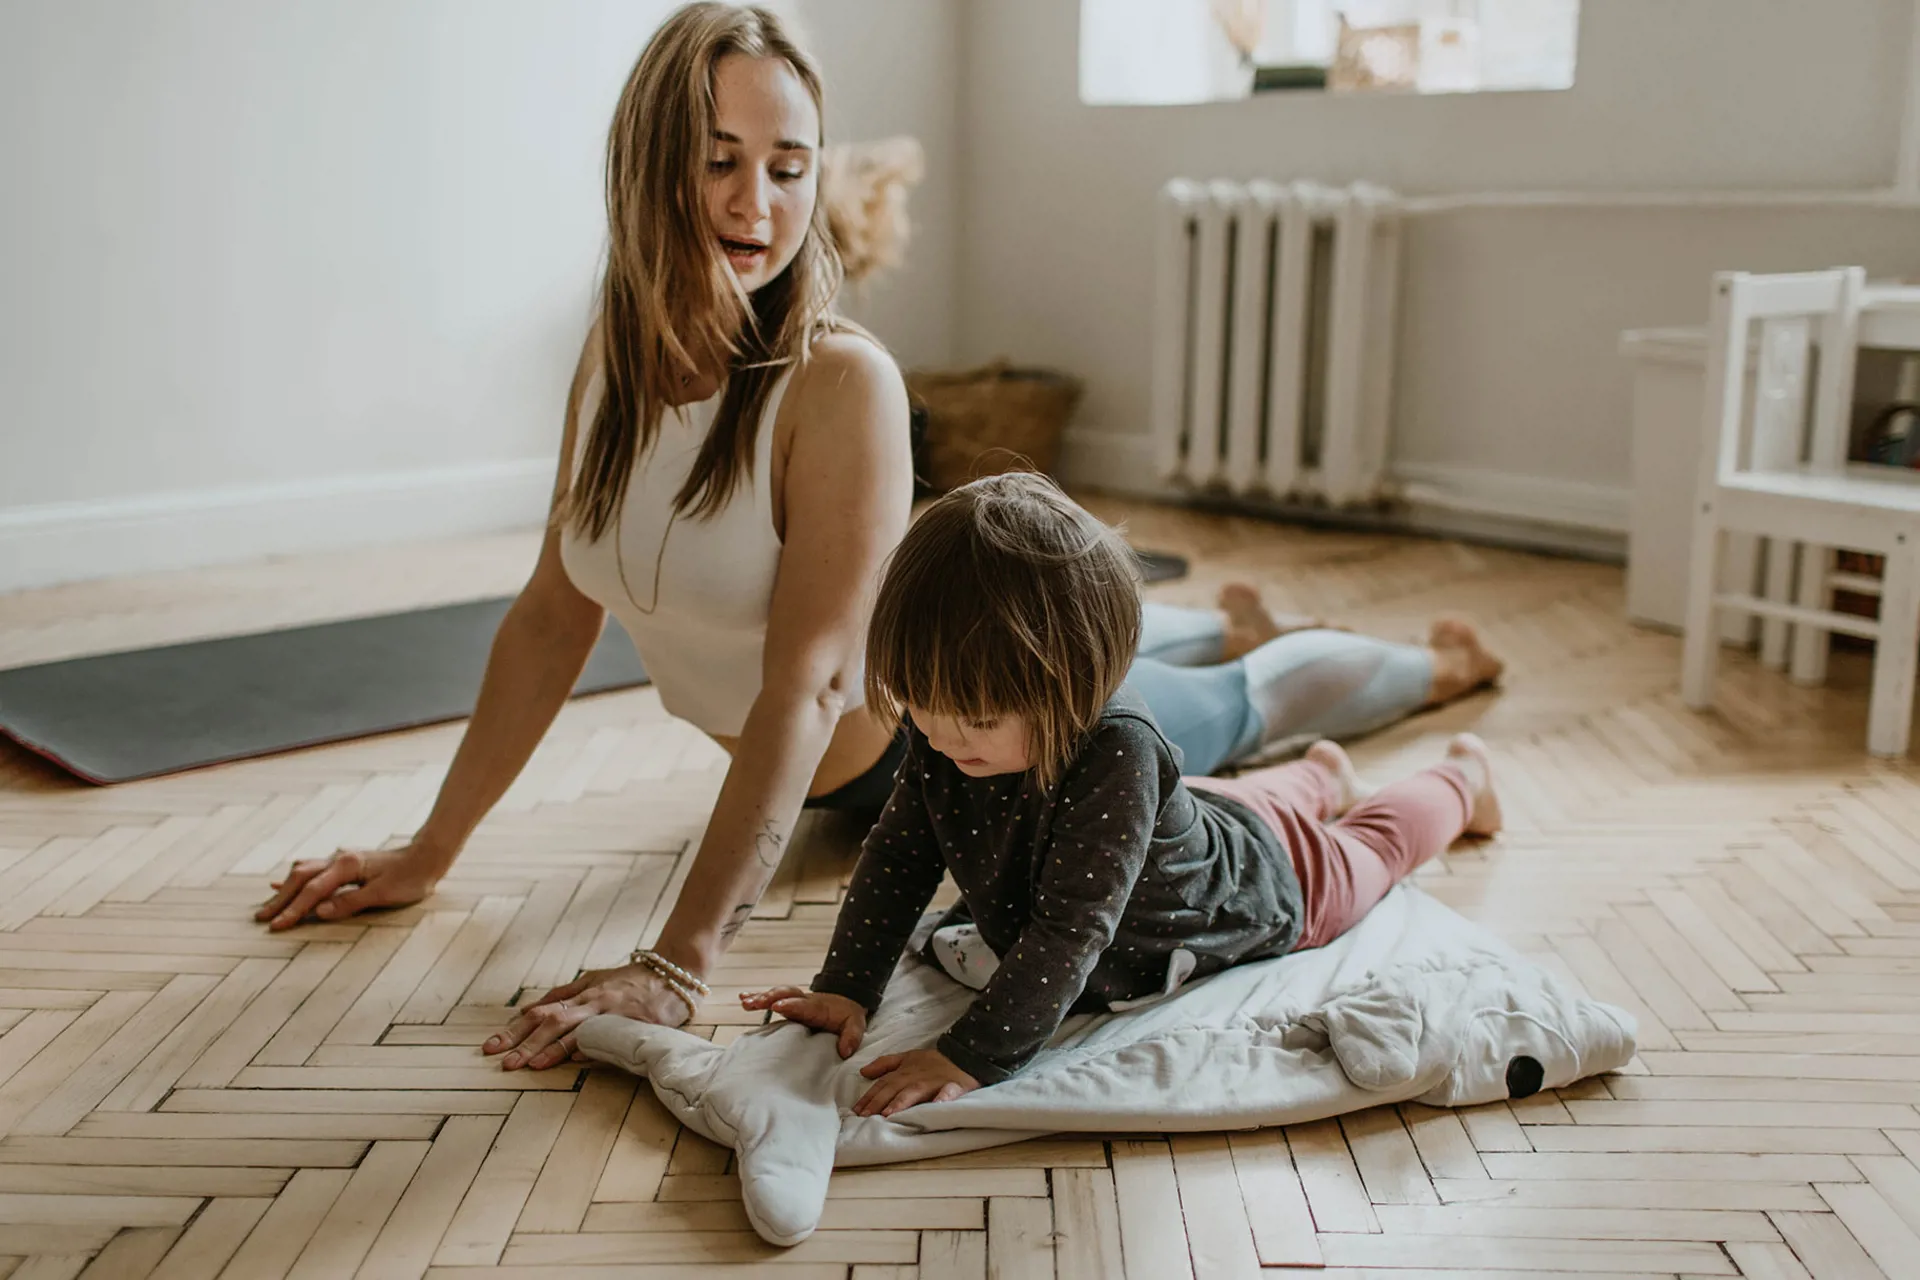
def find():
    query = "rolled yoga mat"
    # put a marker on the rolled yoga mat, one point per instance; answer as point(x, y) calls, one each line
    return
point(120, 716)
point(1159, 566)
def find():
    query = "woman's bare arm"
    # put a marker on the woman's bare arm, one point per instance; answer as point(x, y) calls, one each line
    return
point(849, 489)
point(537, 655)
point(847, 493)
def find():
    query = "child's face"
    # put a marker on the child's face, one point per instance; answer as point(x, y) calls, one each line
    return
point(979, 748)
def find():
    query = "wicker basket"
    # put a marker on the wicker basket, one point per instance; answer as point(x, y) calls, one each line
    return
point(983, 421)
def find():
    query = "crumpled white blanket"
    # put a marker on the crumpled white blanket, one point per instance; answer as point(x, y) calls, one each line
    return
point(1415, 1002)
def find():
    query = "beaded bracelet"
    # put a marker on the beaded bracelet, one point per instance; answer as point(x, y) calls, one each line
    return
point(686, 997)
point(670, 971)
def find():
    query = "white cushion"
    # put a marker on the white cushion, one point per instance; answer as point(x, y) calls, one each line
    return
point(1415, 1002)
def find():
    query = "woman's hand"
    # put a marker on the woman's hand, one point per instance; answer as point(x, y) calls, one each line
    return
point(908, 1079)
point(350, 882)
point(543, 1035)
point(814, 1009)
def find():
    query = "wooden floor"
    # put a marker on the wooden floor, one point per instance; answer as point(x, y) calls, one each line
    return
point(182, 1095)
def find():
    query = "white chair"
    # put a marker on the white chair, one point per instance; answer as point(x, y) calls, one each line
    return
point(1782, 474)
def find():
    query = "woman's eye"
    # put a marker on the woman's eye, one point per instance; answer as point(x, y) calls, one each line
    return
point(789, 175)
point(983, 726)
point(720, 165)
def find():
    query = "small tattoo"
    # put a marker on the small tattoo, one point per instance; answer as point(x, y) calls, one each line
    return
point(737, 921)
point(768, 845)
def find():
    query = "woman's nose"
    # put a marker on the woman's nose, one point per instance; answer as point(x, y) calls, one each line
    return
point(751, 197)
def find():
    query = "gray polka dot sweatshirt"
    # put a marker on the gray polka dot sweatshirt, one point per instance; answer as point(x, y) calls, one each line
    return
point(1084, 891)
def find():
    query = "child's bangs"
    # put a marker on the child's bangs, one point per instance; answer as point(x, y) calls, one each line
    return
point(959, 659)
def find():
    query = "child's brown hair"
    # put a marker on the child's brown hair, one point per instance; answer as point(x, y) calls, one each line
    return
point(1007, 598)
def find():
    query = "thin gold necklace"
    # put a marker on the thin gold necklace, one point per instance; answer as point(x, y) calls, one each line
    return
point(620, 562)
point(660, 556)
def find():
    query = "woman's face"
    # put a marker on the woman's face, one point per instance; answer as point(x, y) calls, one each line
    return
point(762, 170)
point(981, 748)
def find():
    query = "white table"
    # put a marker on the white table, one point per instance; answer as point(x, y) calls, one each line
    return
point(1890, 317)
point(1669, 372)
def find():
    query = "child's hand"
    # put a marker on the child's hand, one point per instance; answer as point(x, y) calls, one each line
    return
point(814, 1009)
point(908, 1079)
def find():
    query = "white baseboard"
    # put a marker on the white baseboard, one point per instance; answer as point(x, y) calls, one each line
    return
point(72, 541)
point(1567, 504)
point(1472, 502)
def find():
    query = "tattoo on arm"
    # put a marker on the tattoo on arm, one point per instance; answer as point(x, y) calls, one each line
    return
point(737, 921)
point(769, 845)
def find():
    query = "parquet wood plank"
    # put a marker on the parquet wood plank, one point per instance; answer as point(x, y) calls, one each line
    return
point(1874, 1224)
point(1335, 1192)
point(638, 1158)
point(1390, 1166)
point(566, 1185)
point(340, 980)
point(1153, 1232)
point(481, 1226)
point(1496, 1254)
point(1826, 1248)
point(281, 1233)
point(1019, 1239)
point(131, 1255)
point(142, 1180)
point(411, 1235)
point(953, 1255)
point(1745, 1196)
point(341, 1242)
point(703, 1247)
point(142, 1088)
point(250, 1128)
point(459, 963)
point(917, 1213)
point(379, 1005)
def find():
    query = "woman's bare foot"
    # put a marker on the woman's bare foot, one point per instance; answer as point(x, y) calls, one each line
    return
point(1332, 757)
point(1469, 755)
point(1461, 663)
point(1251, 624)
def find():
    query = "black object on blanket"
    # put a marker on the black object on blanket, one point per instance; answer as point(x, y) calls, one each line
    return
point(146, 712)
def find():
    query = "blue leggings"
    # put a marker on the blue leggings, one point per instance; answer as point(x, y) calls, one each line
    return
point(1304, 686)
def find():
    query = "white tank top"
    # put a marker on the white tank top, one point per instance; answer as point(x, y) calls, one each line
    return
point(693, 592)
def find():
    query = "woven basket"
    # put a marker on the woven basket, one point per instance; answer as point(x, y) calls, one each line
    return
point(981, 422)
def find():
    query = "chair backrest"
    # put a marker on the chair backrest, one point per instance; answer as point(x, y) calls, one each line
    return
point(1794, 313)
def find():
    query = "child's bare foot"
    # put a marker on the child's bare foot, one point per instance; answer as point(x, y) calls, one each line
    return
point(1461, 663)
point(1251, 624)
point(1332, 757)
point(1469, 755)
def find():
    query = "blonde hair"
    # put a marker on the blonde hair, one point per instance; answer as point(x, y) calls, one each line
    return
point(1007, 598)
point(669, 304)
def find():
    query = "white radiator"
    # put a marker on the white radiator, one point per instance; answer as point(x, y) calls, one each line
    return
point(1273, 338)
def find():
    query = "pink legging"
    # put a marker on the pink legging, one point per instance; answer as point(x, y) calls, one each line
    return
point(1348, 864)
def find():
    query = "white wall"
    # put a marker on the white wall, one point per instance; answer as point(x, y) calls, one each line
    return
point(892, 68)
point(276, 277)
point(1507, 361)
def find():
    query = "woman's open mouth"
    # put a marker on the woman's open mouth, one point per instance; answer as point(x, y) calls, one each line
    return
point(742, 254)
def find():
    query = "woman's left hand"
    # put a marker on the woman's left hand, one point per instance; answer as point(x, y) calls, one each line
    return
point(908, 1079)
point(542, 1036)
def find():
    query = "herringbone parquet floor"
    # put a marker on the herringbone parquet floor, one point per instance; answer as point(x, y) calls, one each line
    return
point(182, 1095)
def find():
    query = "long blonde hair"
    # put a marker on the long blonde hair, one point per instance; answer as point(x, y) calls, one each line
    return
point(669, 304)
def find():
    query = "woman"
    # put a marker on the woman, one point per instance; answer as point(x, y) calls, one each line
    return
point(734, 471)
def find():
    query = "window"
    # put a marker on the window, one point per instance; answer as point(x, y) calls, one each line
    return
point(1174, 51)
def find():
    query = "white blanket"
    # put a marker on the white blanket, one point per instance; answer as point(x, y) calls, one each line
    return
point(1414, 1003)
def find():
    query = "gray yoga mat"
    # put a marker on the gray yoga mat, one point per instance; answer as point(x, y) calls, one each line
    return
point(119, 716)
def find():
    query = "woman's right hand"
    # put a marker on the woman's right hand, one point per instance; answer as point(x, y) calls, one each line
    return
point(350, 882)
point(814, 1009)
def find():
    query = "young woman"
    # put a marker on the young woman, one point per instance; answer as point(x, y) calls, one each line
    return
point(734, 470)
